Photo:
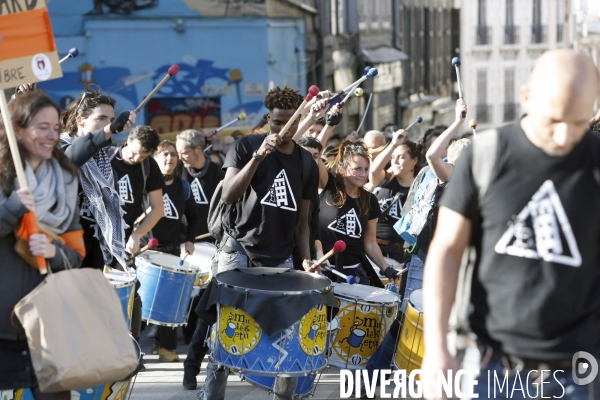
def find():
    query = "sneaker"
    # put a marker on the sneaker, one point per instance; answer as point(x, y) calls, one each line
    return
point(152, 331)
point(167, 355)
point(189, 381)
point(155, 349)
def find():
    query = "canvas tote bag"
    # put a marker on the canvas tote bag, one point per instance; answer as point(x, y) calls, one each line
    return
point(76, 332)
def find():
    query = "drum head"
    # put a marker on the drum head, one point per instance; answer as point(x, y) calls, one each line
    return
point(363, 293)
point(203, 255)
point(120, 279)
point(416, 299)
point(167, 261)
point(273, 280)
point(392, 263)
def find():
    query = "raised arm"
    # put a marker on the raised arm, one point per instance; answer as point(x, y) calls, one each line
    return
point(377, 170)
point(434, 158)
point(317, 110)
point(332, 118)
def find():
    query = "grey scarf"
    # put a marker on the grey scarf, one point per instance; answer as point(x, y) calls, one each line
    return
point(55, 192)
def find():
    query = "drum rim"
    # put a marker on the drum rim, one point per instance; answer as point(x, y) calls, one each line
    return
point(323, 290)
point(363, 301)
point(119, 285)
point(193, 270)
point(244, 371)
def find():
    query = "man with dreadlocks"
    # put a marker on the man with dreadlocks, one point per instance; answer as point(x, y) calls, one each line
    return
point(261, 229)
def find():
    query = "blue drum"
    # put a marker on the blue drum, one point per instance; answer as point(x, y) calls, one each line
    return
point(166, 288)
point(124, 285)
point(239, 341)
point(306, 384)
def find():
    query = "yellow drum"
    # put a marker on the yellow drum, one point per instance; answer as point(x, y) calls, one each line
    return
point(366, 314)
point(409, 352)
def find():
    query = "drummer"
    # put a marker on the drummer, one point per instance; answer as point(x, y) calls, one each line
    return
point(266, 226)
point(349, 212)
point(391, 189)
point(170, 230)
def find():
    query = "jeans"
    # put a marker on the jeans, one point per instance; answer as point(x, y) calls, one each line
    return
point(382, 358)
point(557, 384)
point(414, 279)
point(216, 377)
point(197, 349)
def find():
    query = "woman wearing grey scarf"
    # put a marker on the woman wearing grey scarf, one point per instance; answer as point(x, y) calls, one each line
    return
point(52, 193)
point(101, 212)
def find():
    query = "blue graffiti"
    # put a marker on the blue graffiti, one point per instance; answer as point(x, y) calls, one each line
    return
point(190, 78)
point(109, 79)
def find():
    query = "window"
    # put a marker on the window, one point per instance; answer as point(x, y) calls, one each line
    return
point(483, 108)
point(363, 14)
point(510, 105)
point(511, 32)
point(482, 34)
point(538, 31)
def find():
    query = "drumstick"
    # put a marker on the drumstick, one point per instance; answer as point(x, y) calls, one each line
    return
point(152, 244)
point(473, 125)
point(203, 236)
point(417, 120)
point(456, 64)
point(172, 71)
point(240, 117)
point(371, 72)
point(338, 247)
point(312, 92)
point(72, 54)
point(349, 278)
point(362, 121)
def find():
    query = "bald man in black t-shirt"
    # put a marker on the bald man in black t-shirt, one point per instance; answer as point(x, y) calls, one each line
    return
point(534, 290)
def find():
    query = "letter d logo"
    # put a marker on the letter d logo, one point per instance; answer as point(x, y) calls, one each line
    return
point(583, 367)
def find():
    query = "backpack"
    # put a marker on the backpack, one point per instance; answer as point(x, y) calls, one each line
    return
point(218, 210)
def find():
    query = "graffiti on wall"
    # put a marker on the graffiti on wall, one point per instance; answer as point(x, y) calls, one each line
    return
point(123, 7)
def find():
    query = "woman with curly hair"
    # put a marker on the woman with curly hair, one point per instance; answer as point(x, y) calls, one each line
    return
point(52, 194)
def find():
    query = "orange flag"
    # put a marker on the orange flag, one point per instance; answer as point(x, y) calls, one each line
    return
point(29, 227)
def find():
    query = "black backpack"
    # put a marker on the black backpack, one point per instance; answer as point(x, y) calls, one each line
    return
point(218, 210)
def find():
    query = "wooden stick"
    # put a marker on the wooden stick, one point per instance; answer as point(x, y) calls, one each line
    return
point(172, 72)
point(204, 236)
point(12, 142)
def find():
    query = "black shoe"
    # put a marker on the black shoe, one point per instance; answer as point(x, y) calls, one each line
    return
point(189, 381)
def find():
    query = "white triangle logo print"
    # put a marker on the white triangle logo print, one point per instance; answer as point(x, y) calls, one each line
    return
point(280, 194)
point(348, 225)
point(125, 192)
point(169, 208)
point(394, 211)
point(542, 231)
point(198, 192)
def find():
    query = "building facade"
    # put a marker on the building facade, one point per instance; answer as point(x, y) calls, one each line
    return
point(499, 43)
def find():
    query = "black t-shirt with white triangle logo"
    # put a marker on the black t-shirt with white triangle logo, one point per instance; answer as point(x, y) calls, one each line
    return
point(202, 189)
point(345, 223)
point(170, 227)
point(385, 196)
point(264, 219)
point(130, 185)
point(536, 292)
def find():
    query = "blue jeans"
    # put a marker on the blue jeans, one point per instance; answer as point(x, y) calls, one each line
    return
point(558, 384)
point(382, 358)
point(216, 377)
point(414, 278)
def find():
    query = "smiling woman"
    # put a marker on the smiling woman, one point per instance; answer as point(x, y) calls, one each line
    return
point(52, 192)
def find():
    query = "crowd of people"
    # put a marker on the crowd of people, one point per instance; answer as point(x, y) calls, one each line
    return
point(290, 197)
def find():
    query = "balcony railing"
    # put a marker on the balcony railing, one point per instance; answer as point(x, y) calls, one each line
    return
point(483, 35)
point(484, 113)
point(511, 34)
point(511, 111)
point(539, 33)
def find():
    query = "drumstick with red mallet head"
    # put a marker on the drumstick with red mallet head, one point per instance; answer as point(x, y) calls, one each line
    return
point(456, 65)
point(152, 244)
point(312, 92)
point(473, 125)
point(338, 247)
point(172, 71)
